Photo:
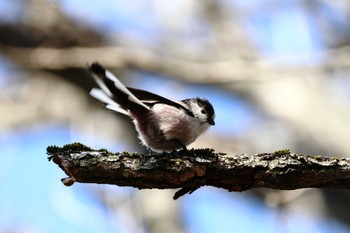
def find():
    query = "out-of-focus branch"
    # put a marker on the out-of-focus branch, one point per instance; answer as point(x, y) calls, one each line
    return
point(180, 67)
point(192, 169)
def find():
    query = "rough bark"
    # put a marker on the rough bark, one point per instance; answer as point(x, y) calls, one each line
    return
point(195, 168)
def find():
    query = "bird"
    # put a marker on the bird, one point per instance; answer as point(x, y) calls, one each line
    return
point(163, 125)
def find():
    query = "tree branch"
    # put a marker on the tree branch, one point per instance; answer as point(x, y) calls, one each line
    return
point(192, 69)
point(195, 168)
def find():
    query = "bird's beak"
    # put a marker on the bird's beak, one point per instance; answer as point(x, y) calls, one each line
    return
point(211, 122)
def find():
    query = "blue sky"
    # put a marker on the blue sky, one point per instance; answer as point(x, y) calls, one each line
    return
point(33, 196)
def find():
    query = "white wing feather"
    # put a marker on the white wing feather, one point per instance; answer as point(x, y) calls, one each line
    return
point(111, 104)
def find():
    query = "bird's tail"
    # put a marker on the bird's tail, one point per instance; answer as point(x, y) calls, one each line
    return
point(113, 93)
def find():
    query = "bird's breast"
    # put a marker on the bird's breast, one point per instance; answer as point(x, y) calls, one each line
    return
point(176, 123)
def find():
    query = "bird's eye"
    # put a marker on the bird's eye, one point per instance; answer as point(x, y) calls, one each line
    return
point(203, 111)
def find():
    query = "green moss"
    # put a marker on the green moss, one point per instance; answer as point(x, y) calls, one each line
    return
point(130, 154)
point(178, 161)
point(205, 152)
point(282, 152)
point(76, 146)
point(53, 149)
point(103, 150)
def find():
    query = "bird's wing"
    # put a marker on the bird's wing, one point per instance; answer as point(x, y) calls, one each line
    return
point(150, 99)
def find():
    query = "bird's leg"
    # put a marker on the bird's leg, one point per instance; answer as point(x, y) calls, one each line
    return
point(150, 151)
point(182, 150)
point(145, 157)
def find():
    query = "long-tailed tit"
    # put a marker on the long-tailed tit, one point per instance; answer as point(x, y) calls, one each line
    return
point(162, 124)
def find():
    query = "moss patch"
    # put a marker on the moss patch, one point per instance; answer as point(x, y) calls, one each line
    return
point(76, 146)
point(282, 152)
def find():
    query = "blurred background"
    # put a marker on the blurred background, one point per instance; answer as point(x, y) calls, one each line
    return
point(276, 71)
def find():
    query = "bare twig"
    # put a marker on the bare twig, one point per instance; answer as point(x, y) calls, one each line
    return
point(192, 169)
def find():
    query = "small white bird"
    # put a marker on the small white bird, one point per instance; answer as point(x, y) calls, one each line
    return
point(162, 124)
